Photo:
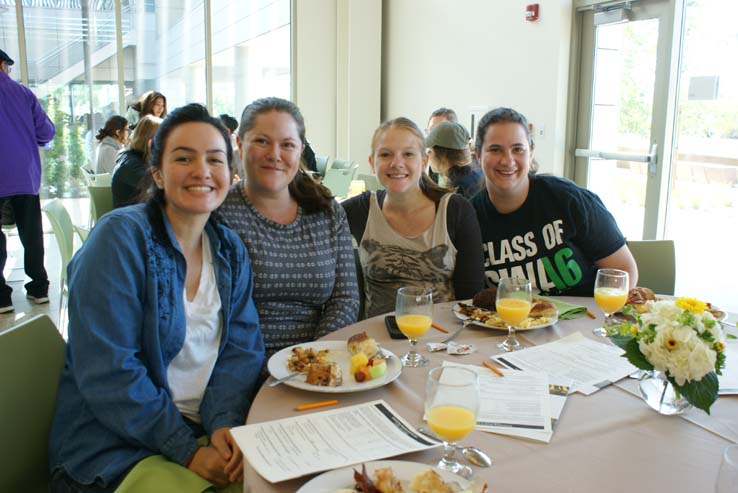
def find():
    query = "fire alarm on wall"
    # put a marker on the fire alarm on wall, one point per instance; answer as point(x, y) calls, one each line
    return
point(531, 12)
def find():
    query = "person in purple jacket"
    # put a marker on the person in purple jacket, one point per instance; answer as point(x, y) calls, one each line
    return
point(23, 128)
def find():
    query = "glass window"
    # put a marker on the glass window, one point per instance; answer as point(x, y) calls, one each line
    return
point(166, 50)
point(73, 71)
point(251, 53)
point(703, 203)
point(73, 64)
point(9, 38)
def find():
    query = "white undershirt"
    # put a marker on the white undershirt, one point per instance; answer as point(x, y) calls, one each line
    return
point(189, 371)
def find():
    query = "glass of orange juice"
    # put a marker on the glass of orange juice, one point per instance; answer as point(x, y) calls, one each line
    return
point(451, 406)
point(414, 313)
point(514, 301)
point(610, 294)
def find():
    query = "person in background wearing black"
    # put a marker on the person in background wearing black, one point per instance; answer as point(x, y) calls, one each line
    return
point(132, 164)
point(237, 169)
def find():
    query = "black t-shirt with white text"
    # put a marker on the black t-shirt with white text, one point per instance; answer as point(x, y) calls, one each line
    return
point(553, 239)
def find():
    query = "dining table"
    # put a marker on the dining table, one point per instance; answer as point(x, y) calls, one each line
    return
point(609, 441)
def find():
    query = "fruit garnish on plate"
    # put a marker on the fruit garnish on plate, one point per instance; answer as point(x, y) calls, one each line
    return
point(366, 362)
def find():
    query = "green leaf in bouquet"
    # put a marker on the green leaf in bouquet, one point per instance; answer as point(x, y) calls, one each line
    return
point(632, 352)
point(700, 394)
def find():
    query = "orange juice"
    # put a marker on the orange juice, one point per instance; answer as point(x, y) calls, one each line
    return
point(610, 300)
point(451, 423)
point(513, 310)
point(414, 325)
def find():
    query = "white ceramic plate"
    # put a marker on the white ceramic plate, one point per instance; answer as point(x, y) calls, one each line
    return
point(461, 316)
point(332, 481)
point(339, 353)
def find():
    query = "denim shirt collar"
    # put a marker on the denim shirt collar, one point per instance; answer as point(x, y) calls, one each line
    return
point(164, 233)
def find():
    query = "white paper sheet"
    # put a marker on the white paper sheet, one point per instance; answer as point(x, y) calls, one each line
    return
point(558, 392)
point(591, 365)
point(305, 444)
point(517, 402)
point(729, 378)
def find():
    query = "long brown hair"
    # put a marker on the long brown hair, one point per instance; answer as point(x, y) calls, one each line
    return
point(145, 105)
point(144, 132)
point(429, 188)
point(310, 195)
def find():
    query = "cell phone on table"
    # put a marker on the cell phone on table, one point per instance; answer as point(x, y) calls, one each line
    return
point(394, 331)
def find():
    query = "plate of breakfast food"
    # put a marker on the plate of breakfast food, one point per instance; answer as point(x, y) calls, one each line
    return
point(336, 366)
point(481, 312)
point(388, 476)
point(639, 298)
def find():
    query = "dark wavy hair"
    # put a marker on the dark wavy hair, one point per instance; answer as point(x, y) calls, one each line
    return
point(504, 115)
point(310, 195)
point(193, 112)
point(114, 124)
point(429, 188)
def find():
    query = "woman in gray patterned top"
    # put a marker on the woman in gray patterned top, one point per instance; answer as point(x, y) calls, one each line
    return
point(296, 234)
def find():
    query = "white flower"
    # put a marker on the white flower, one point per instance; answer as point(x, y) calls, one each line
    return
point(676, 348)
point(701, 362)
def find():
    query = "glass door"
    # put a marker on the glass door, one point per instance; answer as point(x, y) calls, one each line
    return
point(623, 112)
point(703, 208)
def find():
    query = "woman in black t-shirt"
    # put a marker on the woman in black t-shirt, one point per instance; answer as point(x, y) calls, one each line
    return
point(544, 228)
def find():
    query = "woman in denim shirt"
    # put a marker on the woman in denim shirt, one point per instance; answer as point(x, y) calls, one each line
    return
point(164, 342)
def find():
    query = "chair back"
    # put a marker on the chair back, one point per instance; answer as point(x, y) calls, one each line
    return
point(99, 180)
point(341, 164)
point(63, 229)
point(371, 182)
point(101, 201)
point(321, 164)
point(338, 181)
point(31, 360)
point(656, 262)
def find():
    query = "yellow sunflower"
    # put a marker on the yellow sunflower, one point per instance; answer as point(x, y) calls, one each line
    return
point(691, 305)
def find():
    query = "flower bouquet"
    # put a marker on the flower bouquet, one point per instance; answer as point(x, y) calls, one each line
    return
point(679, 338)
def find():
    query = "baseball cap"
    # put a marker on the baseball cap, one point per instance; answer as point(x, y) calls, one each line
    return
point(451, 135)
point(5, 58)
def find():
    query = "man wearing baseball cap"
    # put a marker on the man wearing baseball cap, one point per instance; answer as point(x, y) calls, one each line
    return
point(24, 127)
point(5, 62)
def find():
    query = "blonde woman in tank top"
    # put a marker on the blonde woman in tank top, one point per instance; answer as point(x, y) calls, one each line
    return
point(413, 233)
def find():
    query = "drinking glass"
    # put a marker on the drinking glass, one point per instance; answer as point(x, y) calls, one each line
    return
point(451, 406)
point(514, 301)
point(610, 294)
point(414, 313)
point(727, 480)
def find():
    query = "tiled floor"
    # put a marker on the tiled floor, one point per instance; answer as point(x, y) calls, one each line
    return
point(79, 211)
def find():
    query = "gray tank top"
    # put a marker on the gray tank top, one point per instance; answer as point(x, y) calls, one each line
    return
point(390, 261)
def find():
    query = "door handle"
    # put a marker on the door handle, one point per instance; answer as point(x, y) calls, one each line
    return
point(650, 158)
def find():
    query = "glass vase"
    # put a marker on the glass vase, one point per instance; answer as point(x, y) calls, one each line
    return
point(660, 394)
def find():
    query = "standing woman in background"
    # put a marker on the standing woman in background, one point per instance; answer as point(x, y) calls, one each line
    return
point(295, 232)
point(413, 233)
point(150, 103)
point(132, 164)
point(110, 140)
point(164, 344)
point(541, 227)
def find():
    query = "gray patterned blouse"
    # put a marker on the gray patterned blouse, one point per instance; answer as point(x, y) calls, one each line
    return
point(304, 273)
